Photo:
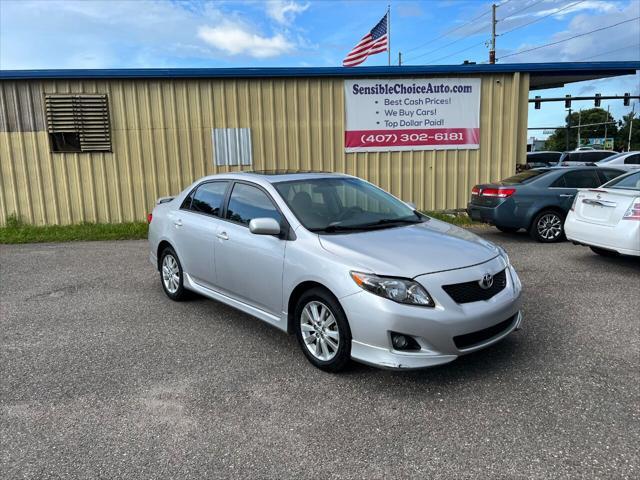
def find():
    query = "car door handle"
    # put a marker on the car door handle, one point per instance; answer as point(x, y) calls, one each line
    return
point(178, 223)
point(222, 236)
point(567, 195)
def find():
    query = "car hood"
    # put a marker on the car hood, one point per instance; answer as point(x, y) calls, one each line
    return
point(412, 250)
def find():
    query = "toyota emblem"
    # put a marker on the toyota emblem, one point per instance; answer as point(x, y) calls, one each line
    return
point(486, 282)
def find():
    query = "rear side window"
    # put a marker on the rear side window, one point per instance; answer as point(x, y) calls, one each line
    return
point(630, 182)
point(597, 156)
point(609, 174)
point(579, 179)
point(208, 198)
point(247, 202)
point(550, 157)
point(632, 159)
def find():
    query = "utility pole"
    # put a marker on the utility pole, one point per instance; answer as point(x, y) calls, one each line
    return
point(399, 59)
point(492, 52)
point(567, 131)
point(605, 129)
point(633, 109)
point(579, 124)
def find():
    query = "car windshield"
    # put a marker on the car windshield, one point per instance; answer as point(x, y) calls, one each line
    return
point(626, 182)
point(329, 205)
point(523, 177)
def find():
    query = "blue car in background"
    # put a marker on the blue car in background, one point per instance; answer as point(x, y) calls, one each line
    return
point(537, 200)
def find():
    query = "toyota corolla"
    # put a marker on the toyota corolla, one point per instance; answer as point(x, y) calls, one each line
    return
point(348, 268)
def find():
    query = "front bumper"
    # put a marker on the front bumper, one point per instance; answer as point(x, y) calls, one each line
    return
point(373, 318)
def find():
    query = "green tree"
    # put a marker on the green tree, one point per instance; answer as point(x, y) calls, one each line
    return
point(557, 140)
point(623, 133)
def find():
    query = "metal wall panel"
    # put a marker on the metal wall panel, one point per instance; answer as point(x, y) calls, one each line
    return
point(21, 106)
point(161, 132)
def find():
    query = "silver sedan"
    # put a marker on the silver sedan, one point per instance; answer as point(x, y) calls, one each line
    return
point(348, 268)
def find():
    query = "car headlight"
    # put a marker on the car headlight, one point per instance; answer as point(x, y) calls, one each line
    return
point(396, 289)
point(503, 254)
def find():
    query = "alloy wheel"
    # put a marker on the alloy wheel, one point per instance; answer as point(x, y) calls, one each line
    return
point(319, 330)
point(549, 226)
point(170, 273)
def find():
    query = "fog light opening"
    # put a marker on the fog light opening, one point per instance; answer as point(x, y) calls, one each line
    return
point(403, 342)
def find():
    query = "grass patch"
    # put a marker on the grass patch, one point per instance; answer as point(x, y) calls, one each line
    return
point(462, 219)
point(16, 231)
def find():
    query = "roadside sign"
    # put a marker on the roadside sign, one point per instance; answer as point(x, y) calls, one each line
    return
point(412, 114)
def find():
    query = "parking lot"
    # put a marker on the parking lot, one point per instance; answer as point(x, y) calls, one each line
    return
point(103, 376)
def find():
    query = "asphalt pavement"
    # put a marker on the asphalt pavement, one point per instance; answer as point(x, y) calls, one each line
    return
point(102, 376)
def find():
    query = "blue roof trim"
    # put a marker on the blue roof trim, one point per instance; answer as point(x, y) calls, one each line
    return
point(603, 68)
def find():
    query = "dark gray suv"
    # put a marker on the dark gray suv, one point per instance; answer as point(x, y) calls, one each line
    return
point(537, 200)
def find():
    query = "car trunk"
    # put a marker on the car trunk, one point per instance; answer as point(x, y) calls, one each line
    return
point(603, 206)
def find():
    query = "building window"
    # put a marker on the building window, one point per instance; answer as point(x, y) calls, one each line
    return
point(232, 146)
point(78, 123)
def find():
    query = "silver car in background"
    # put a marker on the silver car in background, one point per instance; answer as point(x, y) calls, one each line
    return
point(348, 268)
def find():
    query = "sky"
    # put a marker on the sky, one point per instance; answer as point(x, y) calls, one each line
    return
point(37, 34)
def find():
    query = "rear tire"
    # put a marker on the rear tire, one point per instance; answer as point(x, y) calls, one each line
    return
point(507, 229)
point(547, 227)
point(604, 252)
point(322, 330)
point(171, 275)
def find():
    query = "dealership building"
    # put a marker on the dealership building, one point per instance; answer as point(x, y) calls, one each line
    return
point(103, 145)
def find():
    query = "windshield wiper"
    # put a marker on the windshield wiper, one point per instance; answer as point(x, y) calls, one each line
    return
point(331, 228)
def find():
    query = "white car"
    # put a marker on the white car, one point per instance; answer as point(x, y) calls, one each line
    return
point(626, 160)
point(607, 219)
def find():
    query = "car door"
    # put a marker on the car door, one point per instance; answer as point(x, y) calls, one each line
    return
point(196, 225)
point(566, 187)
point(249, 267)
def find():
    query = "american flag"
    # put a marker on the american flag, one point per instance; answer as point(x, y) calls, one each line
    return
point(376, 41)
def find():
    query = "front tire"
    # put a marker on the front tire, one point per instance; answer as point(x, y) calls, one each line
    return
point(604, 252)
point(322, 330)
point(547, 227)
point(171, 275)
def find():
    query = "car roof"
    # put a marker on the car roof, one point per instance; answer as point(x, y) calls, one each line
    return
point(273, 176)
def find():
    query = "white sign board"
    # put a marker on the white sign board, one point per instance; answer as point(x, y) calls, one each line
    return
point(412, 114)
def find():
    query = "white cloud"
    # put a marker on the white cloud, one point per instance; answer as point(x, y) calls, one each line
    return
point(589, 45)
point(284, 12)
point(235, 39)
point(141, 33)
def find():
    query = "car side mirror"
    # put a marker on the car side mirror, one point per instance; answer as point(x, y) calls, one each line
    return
point(412, 205)
point(264, 226)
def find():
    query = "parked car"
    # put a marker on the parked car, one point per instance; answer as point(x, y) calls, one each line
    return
point(542, 159)
point(626, 160)
point(351, 270)
point(583, 157)
point(537, 200)
point(607, 219)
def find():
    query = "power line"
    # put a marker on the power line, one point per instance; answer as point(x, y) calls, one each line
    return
point(521, 10)
point(570, 38)
point(449, 44)
point(447, 32)
point(610, 51)
point(455, 53)
point(543, 17)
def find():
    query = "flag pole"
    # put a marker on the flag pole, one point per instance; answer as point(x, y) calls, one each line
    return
point(389, 33)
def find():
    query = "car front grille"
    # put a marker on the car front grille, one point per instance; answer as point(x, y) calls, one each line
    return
point(472, 291)
point(472, 339)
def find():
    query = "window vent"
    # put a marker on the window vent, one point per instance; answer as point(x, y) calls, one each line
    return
point(78, 123)
point(232, 146)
